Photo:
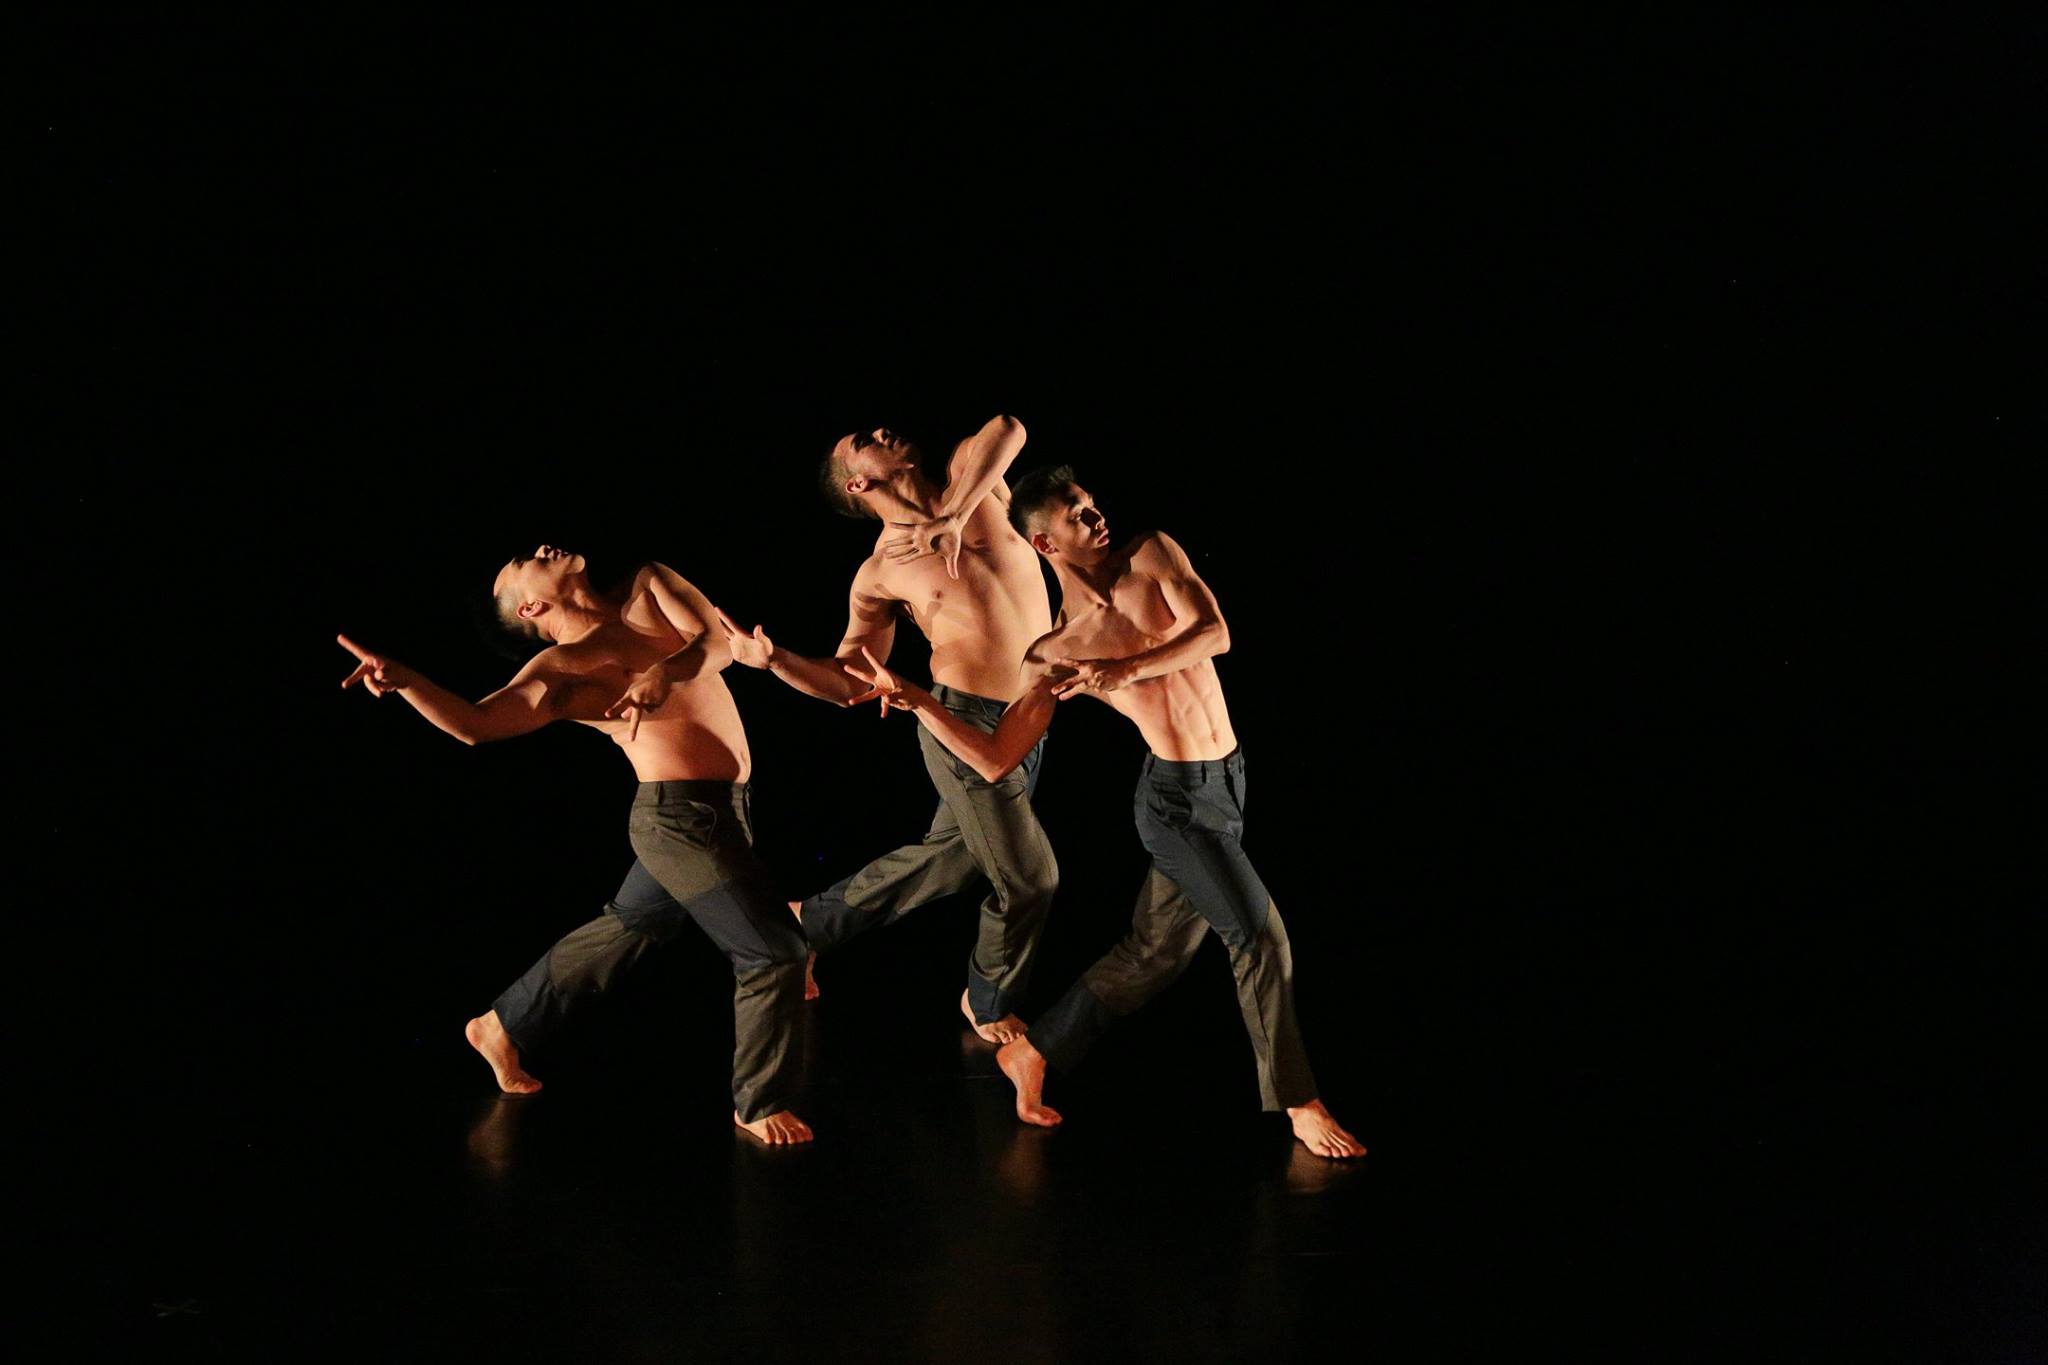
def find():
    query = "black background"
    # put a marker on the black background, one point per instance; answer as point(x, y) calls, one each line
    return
point(1604, 435)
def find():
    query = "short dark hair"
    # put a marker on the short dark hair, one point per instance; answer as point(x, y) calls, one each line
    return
point(832, 477)
point(1036, 491)
point(503, 630)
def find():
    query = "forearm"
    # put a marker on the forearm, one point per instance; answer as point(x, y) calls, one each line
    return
point(448, 712)
point(707, 654)
point(990, 755)
point(981, 466)
point(825, 679)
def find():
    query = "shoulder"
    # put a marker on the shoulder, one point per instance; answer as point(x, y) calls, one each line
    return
point(647, 578)
point(1046, 647)
point(655, 572)
point(553, 662)
point(1156, 550)
point(871, 579)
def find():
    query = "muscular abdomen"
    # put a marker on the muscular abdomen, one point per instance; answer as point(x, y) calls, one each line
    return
point(1181, 715)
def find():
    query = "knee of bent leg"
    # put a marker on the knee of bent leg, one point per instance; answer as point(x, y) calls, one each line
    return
point(1036, 881)
point(788, 950)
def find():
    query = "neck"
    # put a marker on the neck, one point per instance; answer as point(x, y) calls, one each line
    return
point(1089, 584)
point(577, 615)
point(908, 496)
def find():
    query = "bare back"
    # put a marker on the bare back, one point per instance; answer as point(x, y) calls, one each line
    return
point(979, 624)
point(1181, 714)
point(696, 733)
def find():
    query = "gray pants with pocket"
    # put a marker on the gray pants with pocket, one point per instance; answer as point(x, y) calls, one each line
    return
point(1191, 820)
point(983, 834)
point(695, 842)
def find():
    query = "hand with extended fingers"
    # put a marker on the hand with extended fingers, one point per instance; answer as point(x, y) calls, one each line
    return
point(376, 673)
point(754, 650)
point(647, 692)
point(915, 539)
point(1092, 675)
point(881, 684)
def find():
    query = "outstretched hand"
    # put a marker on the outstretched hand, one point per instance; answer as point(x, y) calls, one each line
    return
point(375, 672)
point(881, 683)
point(647, 692)
point(755, 650)
point(1091, 675)
point(916, 539)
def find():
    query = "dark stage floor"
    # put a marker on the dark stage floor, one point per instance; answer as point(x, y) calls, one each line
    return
point(1649, 1195)
point(1602, 433)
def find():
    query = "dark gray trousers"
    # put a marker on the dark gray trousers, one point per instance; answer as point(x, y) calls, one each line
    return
point(1191, 820)
point(983, 833)
point(695, 842)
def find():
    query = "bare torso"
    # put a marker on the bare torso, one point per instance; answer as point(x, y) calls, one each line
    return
point(980, 623)
point(1180, 714)
point(696, 733)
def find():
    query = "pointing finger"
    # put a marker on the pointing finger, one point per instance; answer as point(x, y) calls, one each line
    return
point(632, 723)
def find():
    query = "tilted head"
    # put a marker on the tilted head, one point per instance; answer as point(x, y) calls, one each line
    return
point(862, 460)
point(1058, 516)
point(532, 587)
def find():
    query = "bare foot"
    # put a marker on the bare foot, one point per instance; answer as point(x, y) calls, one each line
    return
point(488, 1036)
point(811, 991)
point(1025, 1066)
point(778, 1129)
point(1321, 1133)
point(1007, 1029)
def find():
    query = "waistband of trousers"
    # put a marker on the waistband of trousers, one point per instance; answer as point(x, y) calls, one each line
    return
point(953, 699)
point(1192, 772)
point(689, 789)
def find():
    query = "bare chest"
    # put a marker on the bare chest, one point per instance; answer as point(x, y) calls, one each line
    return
point(1135, 618)
point(995, 573)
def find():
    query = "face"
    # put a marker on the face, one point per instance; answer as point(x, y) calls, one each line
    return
point(542, 576)
point(1074, 527)
point(875, 455)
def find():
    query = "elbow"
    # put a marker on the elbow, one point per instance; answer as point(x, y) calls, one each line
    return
point(1219, 636)
point(1008, 425)
point(992, 772)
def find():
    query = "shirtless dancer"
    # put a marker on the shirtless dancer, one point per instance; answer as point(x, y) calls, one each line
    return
point(950, 559)
point(641, 664)
point(1138, 629)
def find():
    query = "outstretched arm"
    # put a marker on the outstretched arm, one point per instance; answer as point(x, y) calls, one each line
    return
point(990, 755)
point(978, 465)
point(870, 628)
point(536, 695)
point(1199, 630)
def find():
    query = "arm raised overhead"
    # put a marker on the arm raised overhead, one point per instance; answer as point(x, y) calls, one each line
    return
point(978, 465)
